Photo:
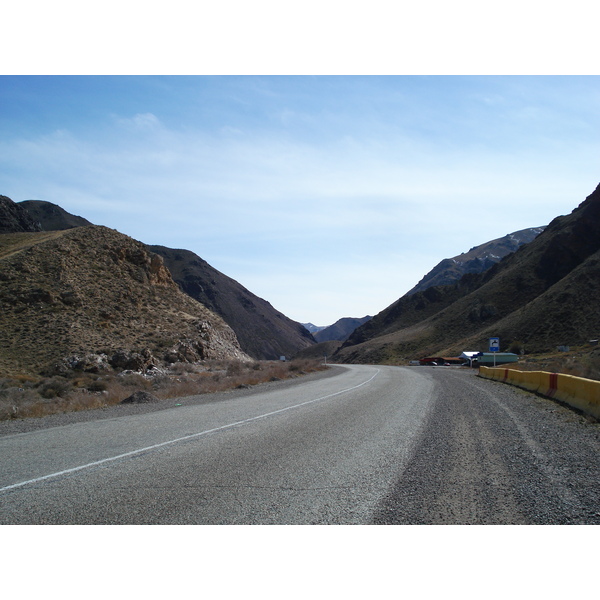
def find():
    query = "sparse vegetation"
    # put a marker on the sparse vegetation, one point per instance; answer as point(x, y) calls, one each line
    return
point(66, 294)
point(580, 362)
point(515, 347)
point(25, 396)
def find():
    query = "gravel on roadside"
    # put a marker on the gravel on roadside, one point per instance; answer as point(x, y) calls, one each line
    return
point(494, 454)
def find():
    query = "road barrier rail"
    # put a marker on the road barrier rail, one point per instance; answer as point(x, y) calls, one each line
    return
point(582, 394)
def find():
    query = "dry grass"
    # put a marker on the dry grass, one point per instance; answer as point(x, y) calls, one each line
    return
point(13, 243)
point(23, 396)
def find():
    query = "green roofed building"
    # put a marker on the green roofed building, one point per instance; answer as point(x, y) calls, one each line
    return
point(487, 358)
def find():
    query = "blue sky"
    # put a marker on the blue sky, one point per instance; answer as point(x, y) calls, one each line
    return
point(329, 196)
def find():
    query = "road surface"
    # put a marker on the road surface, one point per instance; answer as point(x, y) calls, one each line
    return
point(370, 445)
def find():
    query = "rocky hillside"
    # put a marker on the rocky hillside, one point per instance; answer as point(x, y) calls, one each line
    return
point(92, 298)
point(15, 218)
point(322, 351)
point(340, 330)
point(52, 217)
point(263, 332)
point(543, 295)
point(476, 260)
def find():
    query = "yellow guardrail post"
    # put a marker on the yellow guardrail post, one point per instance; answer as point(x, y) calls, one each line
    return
point(578, 392)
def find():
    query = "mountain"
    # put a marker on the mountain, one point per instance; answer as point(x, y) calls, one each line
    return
point(52, 217)
point(340, 330)
point(320, 351)
point(15, 218)
point(313, 328)
point(263, 332)
point(543, 295)
point(91, 298)
point(476, 260)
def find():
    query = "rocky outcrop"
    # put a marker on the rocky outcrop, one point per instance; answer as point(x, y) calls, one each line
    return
point(140, 397)
point(90, 299)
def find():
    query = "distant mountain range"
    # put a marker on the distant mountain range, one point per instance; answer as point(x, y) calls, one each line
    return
point(340, 330)
point(313, 328)
point(330, 338)
point(543, 295)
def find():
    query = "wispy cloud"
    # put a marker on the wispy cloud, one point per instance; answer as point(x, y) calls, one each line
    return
point(139, 122)
point(314, 209)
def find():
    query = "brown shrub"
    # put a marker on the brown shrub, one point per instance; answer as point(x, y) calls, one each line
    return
point(84, 392)
point(56, 386)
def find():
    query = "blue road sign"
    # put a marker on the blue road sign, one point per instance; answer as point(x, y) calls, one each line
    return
point(494, 344)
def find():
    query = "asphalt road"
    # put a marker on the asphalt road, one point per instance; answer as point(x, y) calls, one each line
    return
point(494, 454)
point(370, 445)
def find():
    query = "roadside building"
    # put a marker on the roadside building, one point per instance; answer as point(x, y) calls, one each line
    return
point(468, 355)
point(499, 358)
point(453, 360)
point(429, 361)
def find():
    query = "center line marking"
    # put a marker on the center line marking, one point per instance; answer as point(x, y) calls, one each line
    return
point(185, 437)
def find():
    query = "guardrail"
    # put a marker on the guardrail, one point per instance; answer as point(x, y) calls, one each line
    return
point(580, 393)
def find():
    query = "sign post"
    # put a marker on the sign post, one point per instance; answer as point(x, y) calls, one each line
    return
point(494, 347)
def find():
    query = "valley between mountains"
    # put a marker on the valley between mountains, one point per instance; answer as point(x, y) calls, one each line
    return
point(81, 302)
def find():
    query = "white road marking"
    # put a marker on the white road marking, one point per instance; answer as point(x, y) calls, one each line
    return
point(181, 439)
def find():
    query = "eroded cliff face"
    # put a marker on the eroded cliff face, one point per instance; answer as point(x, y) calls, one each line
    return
point(93, 298)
